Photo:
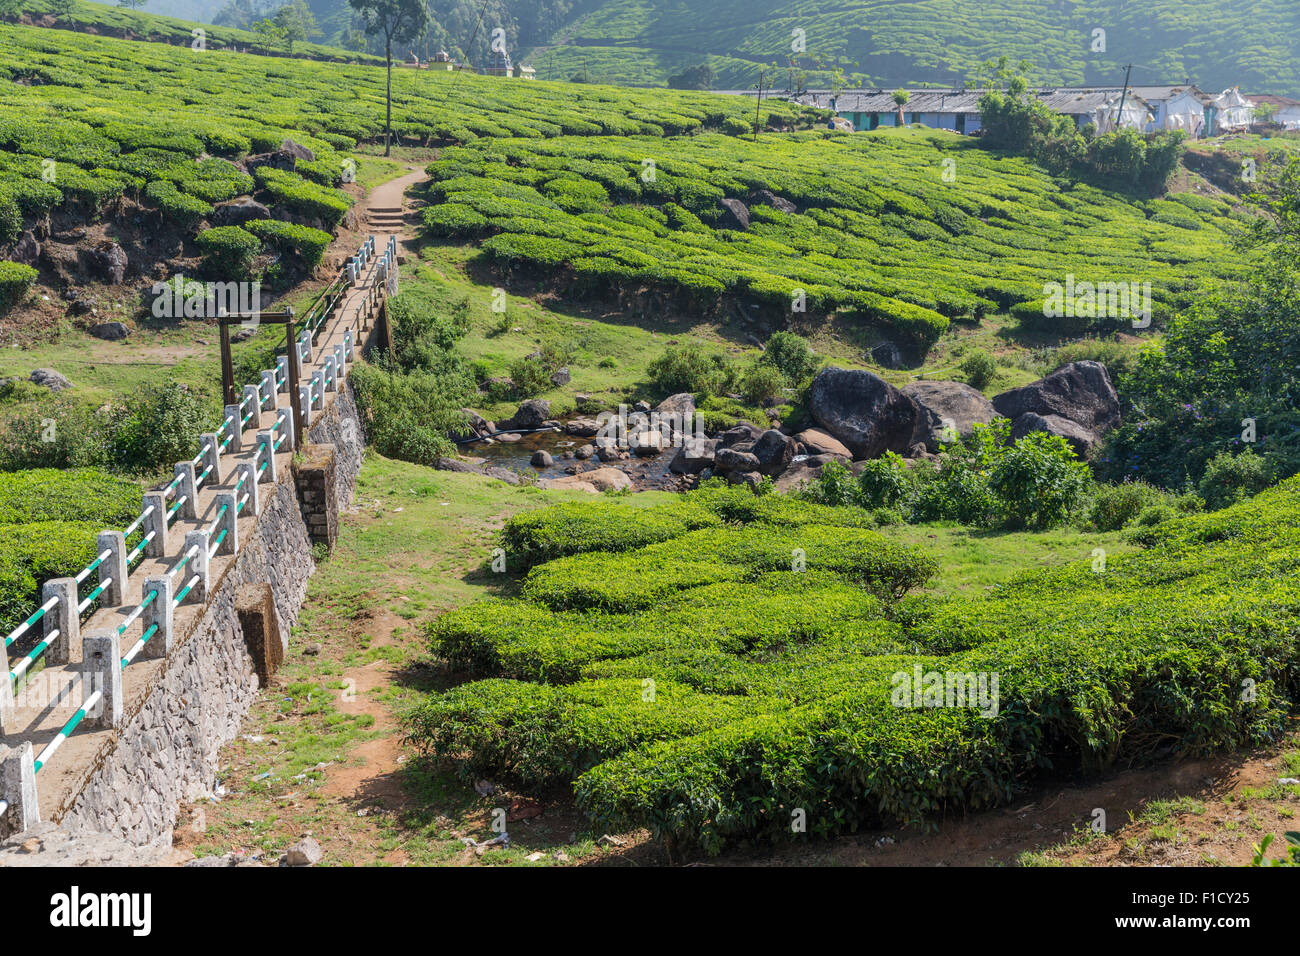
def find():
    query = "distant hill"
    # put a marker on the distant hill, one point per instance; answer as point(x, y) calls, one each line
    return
point(1251, 43)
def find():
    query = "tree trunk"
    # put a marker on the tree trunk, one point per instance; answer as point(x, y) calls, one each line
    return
point(388, 121)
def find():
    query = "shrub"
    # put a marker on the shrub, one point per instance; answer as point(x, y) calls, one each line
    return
point(16, 280)
point(186, 211)
point(308, 244)
point(762, 383)
point(1114, 506)
point(160, 426)
point(408, 416)
point(980, 368)
point(885, 482)
point(1230, 478)
point(690, 368)
point(1039, 481)
point(790, 354)
point(531, 376)
point(228, 252)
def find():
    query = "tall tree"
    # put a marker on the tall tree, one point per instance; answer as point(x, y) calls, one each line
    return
point(297, 21)
point(900, 98)
point(396, 21)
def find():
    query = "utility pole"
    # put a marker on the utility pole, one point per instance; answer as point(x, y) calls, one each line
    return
point(758, 104)
point(1119, 119)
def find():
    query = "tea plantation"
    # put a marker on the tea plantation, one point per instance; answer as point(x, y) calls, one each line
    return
point(751, 687)
point(120, 118)
point(878, 231)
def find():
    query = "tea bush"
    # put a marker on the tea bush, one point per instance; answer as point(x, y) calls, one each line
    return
point(16, 280)
point(308, 244)
point(739, 692)
point(228, 252)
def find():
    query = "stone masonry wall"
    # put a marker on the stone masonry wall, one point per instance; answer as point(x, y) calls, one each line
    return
point(167, 751)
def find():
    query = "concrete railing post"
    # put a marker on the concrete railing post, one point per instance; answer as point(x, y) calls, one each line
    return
point(6, 698)
point(304, 400)
point(63, 618)
point(318, 391)
point(341, 361)
point(347, 345)
point(305, 341)
point(282, 373)
point(268, 456)
point(353, 272)
point(187, 492)
point(248, 473)
point(251, 402)
point(155, 521)
point(330, 375)
point(101, 670)
point(287, 430)
point(18, 789)
point(158, 612)
point(234, 429)
point(198, 566)
point(267, 390)
point(209, 465)
point(227, 523)
point(112, 570)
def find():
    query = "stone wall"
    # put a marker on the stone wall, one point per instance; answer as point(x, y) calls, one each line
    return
point(167, 751)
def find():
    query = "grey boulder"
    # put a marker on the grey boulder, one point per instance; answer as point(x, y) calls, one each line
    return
point(867, 414)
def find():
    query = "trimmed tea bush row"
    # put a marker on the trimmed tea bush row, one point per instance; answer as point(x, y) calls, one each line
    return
point(715, 712)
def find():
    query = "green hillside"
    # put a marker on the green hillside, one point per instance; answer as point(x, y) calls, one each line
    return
point(1254, 43)
point(876, 230)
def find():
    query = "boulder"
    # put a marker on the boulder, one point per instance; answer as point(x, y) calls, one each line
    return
point(27, 250)
point(728, 460)
point(508, 437)
point(681, 407)
point(531, 414)
point(768, 198)
point(1082, 440)
point(819, 443)
point(569, 482)
point(647, 444)
point(694, 455)
point(605, 479)
point(582, 427)
point(887, 354)
point(867, 414)
point(949, 402)
point(108, 261)
point(492, 471)
point(737, 433)
point(110, 331)
point(297, 151)
point(1081, 392)
point(541, 459)
point(238, 212)
point(803, 472)
point(735, 214)
point(585, 452)
point(50, 379)
point(751, 478)
point(476, 426)
point(306, 852)
point(773, 451)
point(560, 376)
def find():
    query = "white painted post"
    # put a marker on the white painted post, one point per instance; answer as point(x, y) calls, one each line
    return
point(252, 403)
point(341, 361)
point(155, 521)
point(305, 400)
point(268, 390)
point(304, 342)
point(234, 429)
point(18, 789)
point(63, 617)
point(158, 612)
point(210, 464)
point(268, 455)
point(187, 492)
point(101, 670)
point(318, 390)
point(113, 568)
point(287, 429)
point(330, 375)
point(6, 701)
point(282, 373)
point(347, 344)
point(248, 472)
point(227, 523)
point(353, 271)
point(200, 542)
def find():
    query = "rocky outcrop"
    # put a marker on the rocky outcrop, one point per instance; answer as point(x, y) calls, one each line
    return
point(819, 442)
point(948, 402)
point(867, 414)
point(531, 414)
point(735, 214)
point(1080, 392)
point(238, 212)
point(1082, 440)
point(774, 452)
point(50, 379)
point(766, 197)
point(694, 455)
point(110, 331)
point(107, 261)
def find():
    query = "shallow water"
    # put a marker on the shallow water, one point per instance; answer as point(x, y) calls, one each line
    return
point(645, 472)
